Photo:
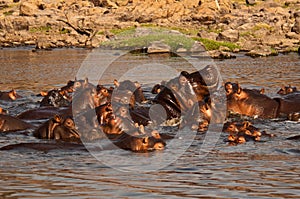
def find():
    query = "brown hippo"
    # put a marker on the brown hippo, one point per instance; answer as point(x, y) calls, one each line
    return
point(250, 102)
point(45, 147)
point(241, 132)
point(289, 103)
point(140, 143)
point(9, 95)
point(9, 123)
point(45, 112)
point(56, 98)
point(286, 90)
point(45, 131)
point(58, 128)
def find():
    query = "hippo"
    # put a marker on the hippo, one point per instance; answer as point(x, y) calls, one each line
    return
point(241, 132)
point(128, 92)
point(286, 90)
point(9, 95)
point(140, 143)
point(179, 95)
point(289, 103)
point(45, 147)
point(58, 128)
point(45, 112)
point(9, 123)
point(45, 131)
point(84, 100)
point(250, 102)
point(56, 98)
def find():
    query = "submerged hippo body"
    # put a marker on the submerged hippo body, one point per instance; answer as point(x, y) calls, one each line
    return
point(250, 102)
point(45, 147)
point(9, 95)
point(46, 112)
point(9, 123)
point(289, 103)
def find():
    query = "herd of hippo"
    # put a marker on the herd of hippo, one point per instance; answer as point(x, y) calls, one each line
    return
point(129, 117)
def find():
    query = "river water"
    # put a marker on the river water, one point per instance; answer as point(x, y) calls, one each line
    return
point(266, 169)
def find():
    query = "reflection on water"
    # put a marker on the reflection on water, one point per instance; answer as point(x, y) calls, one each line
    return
point(252, 170)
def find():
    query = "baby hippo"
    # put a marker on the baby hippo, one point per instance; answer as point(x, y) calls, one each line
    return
point(140, 142)
point(58, 128)
point(9, 95)
point(242, 132)
point(286, 90)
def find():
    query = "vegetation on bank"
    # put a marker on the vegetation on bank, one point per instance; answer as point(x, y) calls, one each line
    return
point(173, 36)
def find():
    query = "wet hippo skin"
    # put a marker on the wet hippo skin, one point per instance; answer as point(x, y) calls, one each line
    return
point(9, 123)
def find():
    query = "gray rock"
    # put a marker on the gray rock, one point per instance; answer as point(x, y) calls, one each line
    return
point(218, 54)
point(208, 35)
point(229, 35)
point(261, 51)
point(28, 9)
point(158, 47)
point(250, 2)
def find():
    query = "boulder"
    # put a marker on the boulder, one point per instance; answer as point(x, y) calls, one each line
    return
point(250, 2)
point(218, 54)
point(158, 47)
point(28, 9)
point(229, 35)
point(261, 51)
point(208, 35)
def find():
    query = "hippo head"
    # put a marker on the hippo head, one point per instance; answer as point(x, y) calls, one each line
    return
point(54, 98)
point(141, 143)
point(66, 131)
point(286, 90)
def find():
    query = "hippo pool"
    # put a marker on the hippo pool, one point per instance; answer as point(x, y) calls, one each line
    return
point(265, 169)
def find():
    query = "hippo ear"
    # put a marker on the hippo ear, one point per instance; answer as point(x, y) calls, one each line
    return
point(12, 94)
point(57, 118)
point(239, 90)
point(246, 124)
point(142, 129)
point(262, 91)
point(44, 93)
point(86, 81)
point(155, 134)
point(116, 83)
point(145, 140)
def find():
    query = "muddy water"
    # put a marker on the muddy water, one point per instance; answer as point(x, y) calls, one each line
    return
point(253, 170)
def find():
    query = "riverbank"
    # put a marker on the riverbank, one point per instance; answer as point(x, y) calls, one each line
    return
point(262, 28)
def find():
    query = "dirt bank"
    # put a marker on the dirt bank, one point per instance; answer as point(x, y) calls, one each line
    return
point(259, 28)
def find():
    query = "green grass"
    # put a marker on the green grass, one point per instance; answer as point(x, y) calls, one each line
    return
point(174, 41)
point(215, 45)
point(7, 13)
point(123, 32)
point(128, 39)
point(40, 29)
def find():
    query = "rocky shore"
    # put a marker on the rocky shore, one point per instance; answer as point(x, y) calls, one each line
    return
point(256, 27)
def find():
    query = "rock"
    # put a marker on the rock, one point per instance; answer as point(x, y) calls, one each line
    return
point(296, 27)
point(229, 35)
point(181, 50)
point(208, 35)
point(292, 35)
point(197, 47)
point(28, 9)
point(158, 47)
point(218, 54)
point(261, 51)
point(250, 2)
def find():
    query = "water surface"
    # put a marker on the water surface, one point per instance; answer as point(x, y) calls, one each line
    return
point(264, 169)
